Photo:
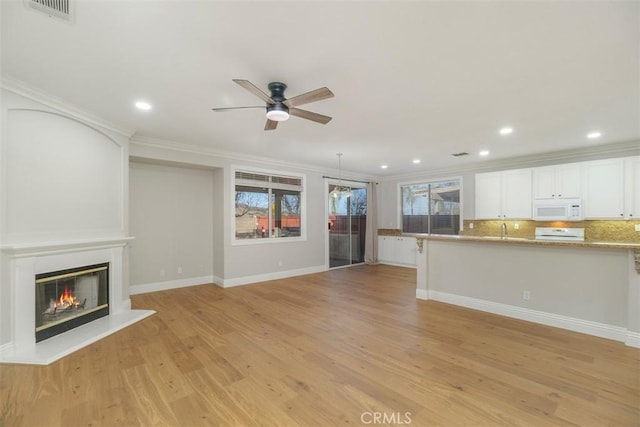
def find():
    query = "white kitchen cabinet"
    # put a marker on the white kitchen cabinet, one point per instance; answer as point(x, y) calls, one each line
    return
point(604, 189)
point(503, 195)
point(632, 188)
point(557, 182)
point(489, 195)
point(397, 250)
point(407, 251)
point(384, 245)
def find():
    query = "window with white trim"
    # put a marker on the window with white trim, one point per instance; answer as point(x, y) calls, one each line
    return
point(431, 207)
point(267, 206)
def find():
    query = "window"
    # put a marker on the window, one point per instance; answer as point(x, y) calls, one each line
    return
point(267, 206)
point(431, 207)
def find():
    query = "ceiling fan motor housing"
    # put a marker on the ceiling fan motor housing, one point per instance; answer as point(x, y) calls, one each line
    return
point(277, 111)
point(277, 91)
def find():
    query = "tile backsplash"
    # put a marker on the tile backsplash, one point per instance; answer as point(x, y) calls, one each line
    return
point(594, 230)
point(389, 232)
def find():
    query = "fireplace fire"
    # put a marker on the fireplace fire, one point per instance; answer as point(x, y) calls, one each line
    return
point(70, 298)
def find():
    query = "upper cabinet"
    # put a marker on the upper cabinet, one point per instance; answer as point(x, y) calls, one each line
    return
point(504, 195)
point(604, 193)
point(488, 195)
point(609, 189)
point(632, 187)
point(557, 182)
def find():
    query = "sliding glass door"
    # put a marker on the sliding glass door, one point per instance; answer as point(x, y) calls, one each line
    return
point(347, 221)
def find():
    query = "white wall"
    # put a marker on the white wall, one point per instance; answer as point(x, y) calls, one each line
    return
point(171, 218)
point(237, 264)
point(588, 290)
point(63, 179)
point(583, 283)
point(220, 224)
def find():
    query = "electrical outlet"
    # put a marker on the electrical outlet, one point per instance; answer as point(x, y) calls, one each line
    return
point(471, 225)
point(516, 226)
point(637, 227)
point(179, 270)
point(162, 272)
point(280, 263)
point(526, 295)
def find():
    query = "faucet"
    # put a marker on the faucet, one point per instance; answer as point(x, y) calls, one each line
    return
point(503, 230)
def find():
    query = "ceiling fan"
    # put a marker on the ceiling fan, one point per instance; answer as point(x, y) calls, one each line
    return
point(280, 108)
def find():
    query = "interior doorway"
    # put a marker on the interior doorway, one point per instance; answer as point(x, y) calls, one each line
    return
point(347, 220)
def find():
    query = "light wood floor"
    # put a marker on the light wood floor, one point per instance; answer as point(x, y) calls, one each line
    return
point(335, 348)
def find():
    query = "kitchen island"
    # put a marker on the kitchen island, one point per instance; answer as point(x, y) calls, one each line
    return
point(588, 287)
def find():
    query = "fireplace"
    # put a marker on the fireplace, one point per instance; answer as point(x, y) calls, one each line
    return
point(79, 282)
point(69, 298)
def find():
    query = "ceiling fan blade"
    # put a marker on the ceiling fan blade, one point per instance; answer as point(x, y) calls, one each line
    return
point(310, 115)
point(254, 90)
point(306, 98)
point(224, 109)
point(270, 125)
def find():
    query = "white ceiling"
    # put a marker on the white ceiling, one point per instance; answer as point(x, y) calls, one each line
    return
point(411, 79)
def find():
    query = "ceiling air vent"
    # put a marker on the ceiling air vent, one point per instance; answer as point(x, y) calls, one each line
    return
point(62, 9)
point(463, 153)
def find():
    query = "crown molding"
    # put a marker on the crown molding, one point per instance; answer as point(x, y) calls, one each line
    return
point(30, 92)
point(619, 149)
point(233, 156)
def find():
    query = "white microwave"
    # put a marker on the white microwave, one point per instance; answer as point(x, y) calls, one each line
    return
point(558, 210)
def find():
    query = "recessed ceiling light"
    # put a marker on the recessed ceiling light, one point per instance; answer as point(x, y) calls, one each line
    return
point(594, 135)
point(416, 161)
point(383, 166)
point(141, 105)
point(484, 153)
point(506, 131)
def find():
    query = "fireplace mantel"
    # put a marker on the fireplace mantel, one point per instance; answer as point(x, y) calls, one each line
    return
point(22, 249)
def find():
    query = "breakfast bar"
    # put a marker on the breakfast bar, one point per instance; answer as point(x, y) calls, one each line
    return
point(588, 287)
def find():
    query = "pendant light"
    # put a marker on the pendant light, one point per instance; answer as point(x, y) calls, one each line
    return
point(339, 190)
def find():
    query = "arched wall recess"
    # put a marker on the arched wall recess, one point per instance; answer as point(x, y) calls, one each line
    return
point(64, 179)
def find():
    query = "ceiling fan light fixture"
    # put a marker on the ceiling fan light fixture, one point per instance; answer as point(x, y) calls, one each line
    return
point(277, 112)
point(277, 115)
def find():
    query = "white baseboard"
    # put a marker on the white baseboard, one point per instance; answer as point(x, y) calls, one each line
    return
point(171, 284)
point(224, 283)
point(597, 329)
point(247, 280)
point(633, 339)
point(422, 294)
point(218, 281)
point(6, 348)
point(396, 264)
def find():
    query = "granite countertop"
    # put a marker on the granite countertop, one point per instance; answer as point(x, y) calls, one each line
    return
point(523, 241)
